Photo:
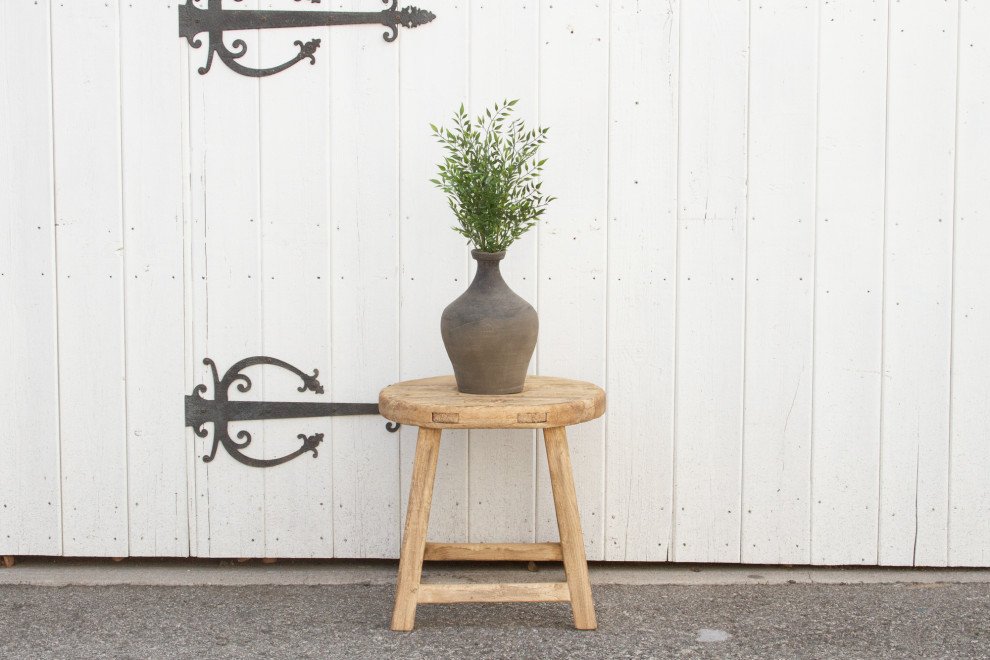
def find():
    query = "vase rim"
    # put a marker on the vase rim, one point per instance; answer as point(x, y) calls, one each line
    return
point(481, 255)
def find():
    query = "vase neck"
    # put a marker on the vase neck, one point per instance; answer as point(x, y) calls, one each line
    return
point(489, 273)
point(481, 256)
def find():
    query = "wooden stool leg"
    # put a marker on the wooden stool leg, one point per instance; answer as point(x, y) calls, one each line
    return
point(569, 524)
point(417, 522)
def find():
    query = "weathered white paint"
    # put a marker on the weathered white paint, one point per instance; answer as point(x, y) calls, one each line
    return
point(89, 254)
point(852, 66)
point(364, 265)
point(969, 456)
point(711, 280)
point(747, 236)
point(642, 276)
point(226, 237)
point(295, 257)
point(152, 137)
point(572, 250)
point(780, 257)
point(30, 504)
point(917, 310)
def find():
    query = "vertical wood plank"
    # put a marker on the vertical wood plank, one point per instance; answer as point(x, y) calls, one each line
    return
point(969, 488)
point(30, 520)
point(89, 256)
point(504, 43)
point(191, 284)
point(780, 253)
point(196, 296)
point(295, 279)
point(711, 280)
point(642, 276)
point(848, 282)
point(917, 307)
point(434, 66)
point(154, 332)
point(364, 116)
point(572, 241)
point(227, 324)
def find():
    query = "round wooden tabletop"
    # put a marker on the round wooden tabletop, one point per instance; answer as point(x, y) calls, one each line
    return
point(545, 402)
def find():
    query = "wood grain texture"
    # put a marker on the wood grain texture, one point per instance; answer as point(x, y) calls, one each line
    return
point(417, 524)
point(436, 403)
point(89, 258)
point(30, 501)
point(780, 257)
point(196, 293)
point(227, 298)
point(917, 308)
point(294, 201)
point(848, 282)
point(969, 488)
point(711, 279)
point(493, 552)
point(414, 547)
point(154, 339)
point(569, 526)
point(529, 592)
point(365, 296)
point(642, 279)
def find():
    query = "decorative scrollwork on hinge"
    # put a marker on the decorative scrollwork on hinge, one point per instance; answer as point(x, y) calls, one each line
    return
point(215, 20)
point(221, 411)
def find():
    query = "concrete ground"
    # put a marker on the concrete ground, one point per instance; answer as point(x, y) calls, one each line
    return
point(340, 609)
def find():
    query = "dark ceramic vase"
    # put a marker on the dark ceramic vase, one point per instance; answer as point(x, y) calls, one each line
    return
point(489, 332)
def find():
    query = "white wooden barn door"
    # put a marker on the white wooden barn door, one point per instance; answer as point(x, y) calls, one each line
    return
point(770, 247)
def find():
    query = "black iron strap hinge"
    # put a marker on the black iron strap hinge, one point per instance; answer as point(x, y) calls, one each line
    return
point(215, 20)
point(221, 411)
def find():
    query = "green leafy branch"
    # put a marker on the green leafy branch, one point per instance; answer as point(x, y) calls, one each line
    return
point(491, 174)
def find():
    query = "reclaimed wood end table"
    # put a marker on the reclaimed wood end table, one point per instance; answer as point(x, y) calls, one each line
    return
point(434, 404)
